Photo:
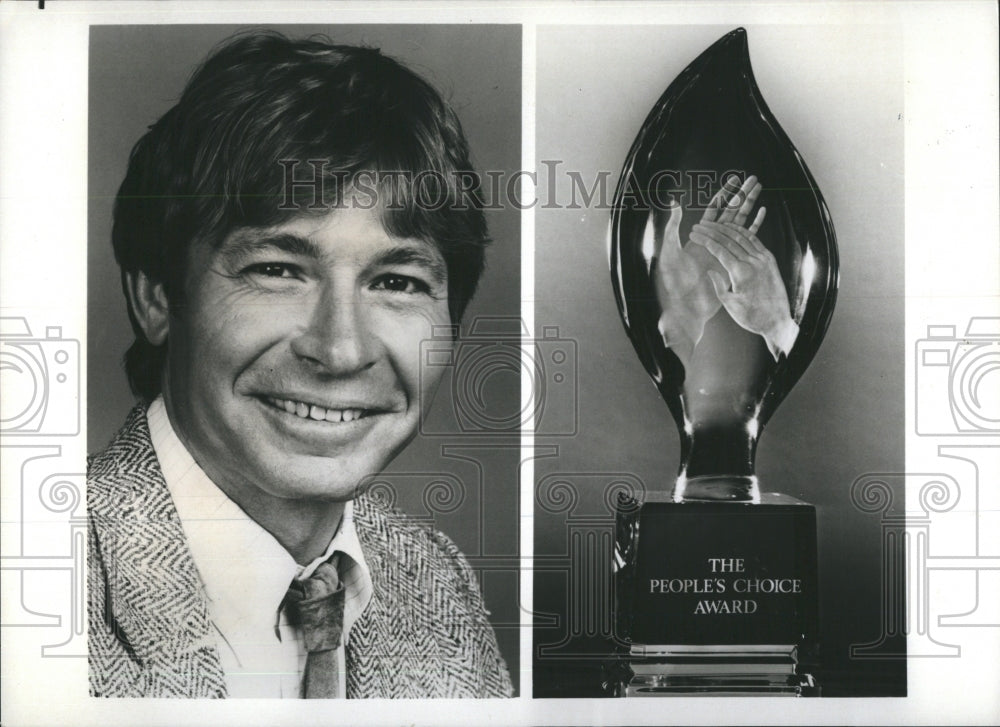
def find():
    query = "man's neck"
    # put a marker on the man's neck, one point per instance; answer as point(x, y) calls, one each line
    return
point(303, 527)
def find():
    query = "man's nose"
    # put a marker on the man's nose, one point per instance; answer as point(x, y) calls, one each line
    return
point(337, 337)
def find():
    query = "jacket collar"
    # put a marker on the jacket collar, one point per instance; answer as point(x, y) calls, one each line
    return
point(155, 598)
point(156, 601)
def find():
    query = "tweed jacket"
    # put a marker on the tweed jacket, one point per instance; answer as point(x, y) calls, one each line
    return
point(425, 632)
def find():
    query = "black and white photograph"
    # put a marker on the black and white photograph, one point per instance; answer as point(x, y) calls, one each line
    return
point(499, 363)
point(706, 107)
point(293, 217)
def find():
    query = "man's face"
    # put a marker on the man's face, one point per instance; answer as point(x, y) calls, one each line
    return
point(293, 365)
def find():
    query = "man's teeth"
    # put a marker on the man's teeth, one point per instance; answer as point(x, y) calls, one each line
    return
point(311, 411)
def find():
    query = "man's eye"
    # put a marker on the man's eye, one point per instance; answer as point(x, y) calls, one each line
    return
point(400, 284)
point(273, 270)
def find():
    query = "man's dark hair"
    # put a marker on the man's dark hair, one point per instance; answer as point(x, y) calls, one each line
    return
point(263, 109)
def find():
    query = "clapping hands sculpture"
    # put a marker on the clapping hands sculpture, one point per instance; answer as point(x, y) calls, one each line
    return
point(690, 291)
point(726, 293)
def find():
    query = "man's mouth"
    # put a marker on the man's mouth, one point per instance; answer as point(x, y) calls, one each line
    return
point(304, 410)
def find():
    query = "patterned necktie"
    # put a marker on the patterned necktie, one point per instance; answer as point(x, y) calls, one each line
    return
point(316, 606)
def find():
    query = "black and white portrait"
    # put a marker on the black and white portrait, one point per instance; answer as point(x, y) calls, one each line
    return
point(295, 238)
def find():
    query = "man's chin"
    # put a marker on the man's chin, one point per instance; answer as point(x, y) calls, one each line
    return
point(319, 487)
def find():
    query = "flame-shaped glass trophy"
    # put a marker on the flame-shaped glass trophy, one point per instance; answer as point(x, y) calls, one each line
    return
point(724, 267)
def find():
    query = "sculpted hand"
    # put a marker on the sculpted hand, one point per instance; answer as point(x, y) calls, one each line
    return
point(754, 293)
point(684, 294)
point(733, 202)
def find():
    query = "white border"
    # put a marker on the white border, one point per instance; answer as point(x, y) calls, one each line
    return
point(952, 268)
point(527, 469)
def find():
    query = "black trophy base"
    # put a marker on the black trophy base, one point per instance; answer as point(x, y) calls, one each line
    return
point(716, 598)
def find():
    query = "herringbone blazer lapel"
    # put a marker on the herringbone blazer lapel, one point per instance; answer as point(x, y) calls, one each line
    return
point(425, 632)
point(158, 635)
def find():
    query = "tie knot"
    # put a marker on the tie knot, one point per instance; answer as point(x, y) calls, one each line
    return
point(324, 579)
point(316, 606)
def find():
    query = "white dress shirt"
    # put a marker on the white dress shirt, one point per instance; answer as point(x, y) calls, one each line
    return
point(245, 574)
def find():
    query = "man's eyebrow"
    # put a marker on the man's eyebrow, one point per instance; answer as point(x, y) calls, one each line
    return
point(250, 240)
point(246, 241)
point(412, 255)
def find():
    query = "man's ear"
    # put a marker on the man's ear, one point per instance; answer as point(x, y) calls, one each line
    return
point(149, 303)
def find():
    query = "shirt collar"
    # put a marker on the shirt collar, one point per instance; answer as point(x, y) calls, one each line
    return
point(244, 570)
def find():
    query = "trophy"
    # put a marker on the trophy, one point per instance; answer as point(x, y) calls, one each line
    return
point(724, 267)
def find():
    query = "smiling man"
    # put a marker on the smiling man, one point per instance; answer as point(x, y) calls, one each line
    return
point(278, 324)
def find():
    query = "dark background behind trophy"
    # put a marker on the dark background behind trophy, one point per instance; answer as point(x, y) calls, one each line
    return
point(844, 417)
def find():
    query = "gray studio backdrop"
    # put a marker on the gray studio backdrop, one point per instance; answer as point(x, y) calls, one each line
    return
point(838, 93)
point(138, 72)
